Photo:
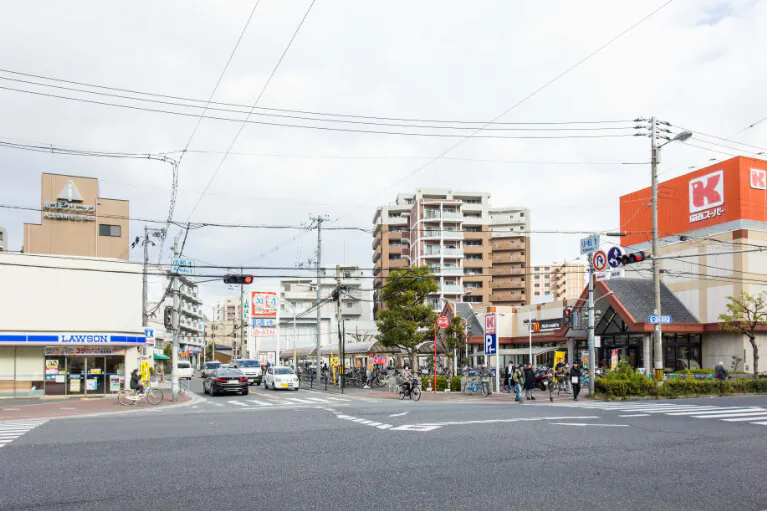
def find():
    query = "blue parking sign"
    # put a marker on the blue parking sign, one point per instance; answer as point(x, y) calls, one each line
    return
point(490, 344)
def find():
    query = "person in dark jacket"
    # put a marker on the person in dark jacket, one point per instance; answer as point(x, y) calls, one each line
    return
point(720, 373)
point(529, 382)
point(575, 376)
point(135, 382)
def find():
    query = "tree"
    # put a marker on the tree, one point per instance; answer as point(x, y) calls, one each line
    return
point(167, 350)
point(406, 319)
point(453, 338)
point(744, 314)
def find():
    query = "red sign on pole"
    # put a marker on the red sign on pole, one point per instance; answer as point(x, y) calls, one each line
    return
point(490, 324)
point(443, 321)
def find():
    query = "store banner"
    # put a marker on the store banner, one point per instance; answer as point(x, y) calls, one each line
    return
point(559, 356)
point(584, 359)
point(82, 351)
point(613, 360)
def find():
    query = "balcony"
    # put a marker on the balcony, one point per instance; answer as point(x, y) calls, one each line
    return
point(445, 252)
point(507, 258)
point(450, 271)
point(398, 263)
point(507, 296)
point(452, 216)
point(399, 219)
point(430, 234)
point(376, 242)
point(452, 235)
point(501, 271)
point(452, 289)
point(508, 284)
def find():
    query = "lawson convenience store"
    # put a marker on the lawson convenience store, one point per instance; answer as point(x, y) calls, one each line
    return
point(66, 364)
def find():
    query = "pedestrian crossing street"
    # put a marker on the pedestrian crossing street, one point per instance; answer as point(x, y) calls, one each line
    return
point(11, 430)
point(272, 402)
point(756, 415)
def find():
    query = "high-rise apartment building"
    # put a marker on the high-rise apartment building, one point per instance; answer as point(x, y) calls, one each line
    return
point(558, 282)
point(191, 323)
point(477, 253)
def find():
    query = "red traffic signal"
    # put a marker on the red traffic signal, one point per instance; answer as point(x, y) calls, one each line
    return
point(636, 257)
point(567, 316)
point(238, 279)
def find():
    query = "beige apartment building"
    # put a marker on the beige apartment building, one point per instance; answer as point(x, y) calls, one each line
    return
point(225, 327)
point(478, 254)
point(75, 220)
point(557, 282)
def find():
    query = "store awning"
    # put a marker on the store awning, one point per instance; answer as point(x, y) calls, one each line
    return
point(161, 357)
point(526, 351)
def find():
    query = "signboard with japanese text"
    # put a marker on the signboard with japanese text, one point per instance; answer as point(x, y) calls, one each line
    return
point(490, 324)
point(264, 304)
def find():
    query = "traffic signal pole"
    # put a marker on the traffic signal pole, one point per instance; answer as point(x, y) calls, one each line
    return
point(592, 354)
point(242, 317)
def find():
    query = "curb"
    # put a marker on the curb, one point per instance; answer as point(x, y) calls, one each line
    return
point(666, 398)
point(194, 399)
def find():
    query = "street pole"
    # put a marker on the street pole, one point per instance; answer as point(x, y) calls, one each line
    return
point(318, 358)
point(295, 338)
point(339, 322)
point(242, 318)
point(530, 335)
point(144, 289)
point(657, 333)
point(592, 355)
point(174, 354)
point(435, 354)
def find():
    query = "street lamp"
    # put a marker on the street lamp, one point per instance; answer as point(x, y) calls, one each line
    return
point(655, 159)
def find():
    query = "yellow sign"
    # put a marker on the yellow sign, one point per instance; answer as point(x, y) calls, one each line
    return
point(559, 356)
point(145, 371)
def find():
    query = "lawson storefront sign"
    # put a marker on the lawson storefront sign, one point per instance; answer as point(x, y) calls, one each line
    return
point(72, 338)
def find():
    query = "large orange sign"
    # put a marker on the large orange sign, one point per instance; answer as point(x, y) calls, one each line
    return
point(735, 189)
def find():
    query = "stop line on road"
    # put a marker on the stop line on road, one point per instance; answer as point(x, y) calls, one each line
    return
point(274, 403)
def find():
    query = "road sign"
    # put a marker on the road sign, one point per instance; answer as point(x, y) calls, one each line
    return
point(600, 276)
point(149, 334)
point(600, 260)
point(659, 320)
point(597, 341)
point(182, 266)
point(590, 244)
point(614, 257)
point(490, 324)
point(443, 322)
point(264, 322)
point(490, 344)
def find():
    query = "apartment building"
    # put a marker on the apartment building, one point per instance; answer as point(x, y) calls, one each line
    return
point(3, 239)
point(191, 322)
point(477, 253)
point(557, 282)
point(298, 313)
point(225, 322)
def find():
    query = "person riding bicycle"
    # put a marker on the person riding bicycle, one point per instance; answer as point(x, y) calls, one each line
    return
point(135, 382)
point(406, 376)
point(720, 373)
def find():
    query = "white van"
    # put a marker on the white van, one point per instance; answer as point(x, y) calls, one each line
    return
point(184, 369)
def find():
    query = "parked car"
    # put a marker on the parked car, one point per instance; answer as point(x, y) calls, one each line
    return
point(252, 369)
point(185, 370)
point(225, 380)
point(208, 367)
point(281, 378)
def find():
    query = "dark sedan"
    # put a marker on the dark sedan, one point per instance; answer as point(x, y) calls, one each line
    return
point(225, 380)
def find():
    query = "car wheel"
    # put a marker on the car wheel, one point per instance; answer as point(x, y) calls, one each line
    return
point(245, 392)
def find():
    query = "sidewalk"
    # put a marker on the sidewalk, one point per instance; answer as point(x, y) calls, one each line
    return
point(52, 408)
point(495, 397)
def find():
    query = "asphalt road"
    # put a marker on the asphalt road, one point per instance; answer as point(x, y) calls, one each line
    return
point(385, 454)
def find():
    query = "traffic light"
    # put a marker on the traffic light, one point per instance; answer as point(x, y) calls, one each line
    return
point(636, 257)
point(167, 317)
point(238, 279)
point(567, 316)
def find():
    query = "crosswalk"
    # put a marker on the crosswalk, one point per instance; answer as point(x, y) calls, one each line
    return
point(756, 415)
point(11, 430)
point(263, 403)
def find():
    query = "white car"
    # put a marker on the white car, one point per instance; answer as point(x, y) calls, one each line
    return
point(281, 378)
point(184, 369)
point(251, 368)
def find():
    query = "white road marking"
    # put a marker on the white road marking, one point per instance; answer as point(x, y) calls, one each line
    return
point(296, 400)
point(260, 403)
point(635, 415)
point(238, 403)
point(759, 423)
point(728, 415)
point(317, 400)
point(587, 424)
point(337, 399)
point(750, 418)
point(387, 426)
point(493, 421)
point(713, 414)
point(398, 414)
point(11, 430)
point(11, 409)
point(66, 408)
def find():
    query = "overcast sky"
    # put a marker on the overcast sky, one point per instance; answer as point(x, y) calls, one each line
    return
point(695, 63)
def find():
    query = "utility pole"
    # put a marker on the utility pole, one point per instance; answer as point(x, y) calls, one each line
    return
point(339, 322)
point(144, 289)
point(592, 355)
point(174, 354)
point(295, 338)
point(318, 358)
point(657, 333)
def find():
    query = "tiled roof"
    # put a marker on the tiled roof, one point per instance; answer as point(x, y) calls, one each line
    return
point(636, 295)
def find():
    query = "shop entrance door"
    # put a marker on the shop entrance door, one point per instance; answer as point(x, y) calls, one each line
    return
point(76, 376)
point(95, 381)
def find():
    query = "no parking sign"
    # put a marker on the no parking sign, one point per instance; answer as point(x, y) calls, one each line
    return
point(600, 260)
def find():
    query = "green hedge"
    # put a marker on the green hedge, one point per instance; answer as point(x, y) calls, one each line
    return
point(612, 389)
point(705, 371)
point(455, 383)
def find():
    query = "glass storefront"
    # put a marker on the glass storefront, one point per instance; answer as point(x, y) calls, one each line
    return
point(72, 373)
point(21, 371)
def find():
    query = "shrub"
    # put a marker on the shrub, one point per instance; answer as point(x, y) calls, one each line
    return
point(455, 383)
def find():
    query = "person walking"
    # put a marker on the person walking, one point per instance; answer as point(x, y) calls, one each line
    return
point(575, 378)
point(518, 380)
point(507, 377)
point(529, 382)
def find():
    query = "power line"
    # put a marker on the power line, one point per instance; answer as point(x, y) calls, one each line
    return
point(306, 112)
point(523, 100)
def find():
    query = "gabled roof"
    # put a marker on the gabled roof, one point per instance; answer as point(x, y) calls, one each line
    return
point(466, 311)
point(637, 296)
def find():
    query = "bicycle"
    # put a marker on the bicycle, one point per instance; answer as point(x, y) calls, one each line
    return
point(128, 397)
point(413, 391)
point(476, 385)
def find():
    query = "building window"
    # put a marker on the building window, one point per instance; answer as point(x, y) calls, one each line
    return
point(537, 285)
point(537, 277)
point(472, 228)
point(473, 257)
point(113, 231)
point(473, 243)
